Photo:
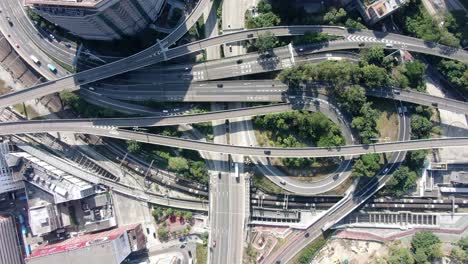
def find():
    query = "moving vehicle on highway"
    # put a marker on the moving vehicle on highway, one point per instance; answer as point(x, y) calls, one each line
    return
point(52, 68)
point(35, 59)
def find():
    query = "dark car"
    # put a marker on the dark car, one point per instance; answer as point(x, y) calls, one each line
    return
point(361, 44)
point(219, 85)
point(239, 61)
point(267, 152)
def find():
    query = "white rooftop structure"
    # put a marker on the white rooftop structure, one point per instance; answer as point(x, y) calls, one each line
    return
point(62, 185)
point(7, 182)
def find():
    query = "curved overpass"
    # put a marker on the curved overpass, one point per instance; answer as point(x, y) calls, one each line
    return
point(311, 152)
point(159, 53)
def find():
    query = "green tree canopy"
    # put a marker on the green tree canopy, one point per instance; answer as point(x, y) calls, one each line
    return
point(402, 181)
point(415, 71)
point(426, 247)
point(266, 42)
point(263, 20)
point(335, 16)
point(163, 233)
point(420, 126)
point(353, 98)
point(263, 6)
point(178, 164)
point(374, 76)
point(367, 165)
point(373, 55)
point(400, 255)
point(133, 146)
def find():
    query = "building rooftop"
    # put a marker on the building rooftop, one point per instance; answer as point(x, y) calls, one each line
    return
point(71, 3)
point(60, 184)
point(89, 248)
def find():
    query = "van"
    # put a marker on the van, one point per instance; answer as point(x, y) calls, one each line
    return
point(35, 59)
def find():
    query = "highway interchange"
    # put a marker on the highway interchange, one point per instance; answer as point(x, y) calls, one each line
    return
point(237, 91)
point(160, 52)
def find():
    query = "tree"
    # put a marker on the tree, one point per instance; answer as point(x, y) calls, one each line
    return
point(263, 20)
point(169, 211)
point(402, 181)
point(420, 126)
point(415, 159)
point(198, 171)
point(373, 55)
point(353, 24)
point(178, 164)
point(263, 6)
point(292, 76)
point(447, 38)
point(334, 16)
point(366, 123)
point(353, 98)
point(367, 165)
point(133, 146)
point(458, 255)
point(374, 76)
point(163, 233)
point(420, 256)
point(426, 244)
point(266, 42)
point(415, 71)
point(400, 255)
point(188, 216)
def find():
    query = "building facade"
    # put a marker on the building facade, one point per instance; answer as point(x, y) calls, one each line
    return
point(10, 252)
point(99, 19)
point(7, 182)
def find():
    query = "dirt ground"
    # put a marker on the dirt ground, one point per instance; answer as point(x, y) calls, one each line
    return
point(356, 252)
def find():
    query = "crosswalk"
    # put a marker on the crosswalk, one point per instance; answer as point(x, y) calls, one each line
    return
point(106, 127)
point(246, 68)
point(198, 75)
point(358, 38)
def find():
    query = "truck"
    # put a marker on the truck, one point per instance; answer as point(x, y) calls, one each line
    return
point(52, 68)
point(35, 59)
point(236, 170)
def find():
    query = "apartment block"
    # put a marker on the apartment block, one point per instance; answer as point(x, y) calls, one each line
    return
point(99, 19)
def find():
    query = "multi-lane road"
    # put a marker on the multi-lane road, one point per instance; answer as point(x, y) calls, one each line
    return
point(159, 53)
point(254, 91)
point(312, 152)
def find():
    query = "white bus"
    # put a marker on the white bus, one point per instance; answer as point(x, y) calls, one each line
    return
point(236, 170)
point(35, 59)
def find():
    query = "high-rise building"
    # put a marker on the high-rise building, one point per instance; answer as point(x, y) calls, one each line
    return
point(99, 19)
point(10, 252)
